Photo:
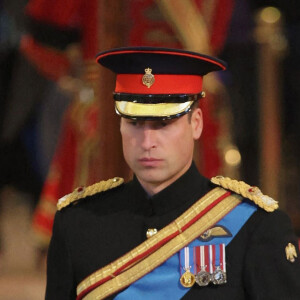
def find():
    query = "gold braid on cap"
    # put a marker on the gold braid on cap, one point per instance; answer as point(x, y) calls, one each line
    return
point(251, 192)
point(82, 192)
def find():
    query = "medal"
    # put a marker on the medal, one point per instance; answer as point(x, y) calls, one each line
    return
point(210, 264)
point(187, 279)
point(201, 254)
point(203, 264)
point(218, 276)
point(219, 272)
point(202, 278)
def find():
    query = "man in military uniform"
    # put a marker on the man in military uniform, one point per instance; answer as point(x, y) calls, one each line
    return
point(170, 233)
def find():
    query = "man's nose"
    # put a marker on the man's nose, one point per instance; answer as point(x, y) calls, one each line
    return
point(148, 138)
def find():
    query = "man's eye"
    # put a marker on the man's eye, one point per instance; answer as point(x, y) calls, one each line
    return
point(132, 122)
point(161, 124)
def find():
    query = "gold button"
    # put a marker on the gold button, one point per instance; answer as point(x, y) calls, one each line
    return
point(150, 232)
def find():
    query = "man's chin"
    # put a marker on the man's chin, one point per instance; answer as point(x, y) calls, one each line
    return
point(151, 175)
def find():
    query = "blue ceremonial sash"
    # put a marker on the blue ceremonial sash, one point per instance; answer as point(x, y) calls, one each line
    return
point(163, 282)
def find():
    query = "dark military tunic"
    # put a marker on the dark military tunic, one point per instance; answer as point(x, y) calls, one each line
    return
point(99, 229)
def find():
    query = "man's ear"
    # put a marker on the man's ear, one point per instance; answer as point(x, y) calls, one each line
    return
point(197, 123)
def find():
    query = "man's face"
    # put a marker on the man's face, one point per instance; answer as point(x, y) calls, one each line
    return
point(159, 152)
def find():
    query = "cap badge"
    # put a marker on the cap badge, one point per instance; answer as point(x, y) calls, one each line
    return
point(290, 252)
point(148, 78)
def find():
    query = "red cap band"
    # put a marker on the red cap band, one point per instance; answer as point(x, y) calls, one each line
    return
point(163, 84)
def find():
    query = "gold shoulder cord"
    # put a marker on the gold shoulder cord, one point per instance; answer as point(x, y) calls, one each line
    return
point(251, 192)
point(82, 192)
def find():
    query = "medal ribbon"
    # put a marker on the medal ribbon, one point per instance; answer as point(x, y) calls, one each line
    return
point(206, 258)
point(217, 256)
point(222, 257)
point(186, 256)
point(209, 257)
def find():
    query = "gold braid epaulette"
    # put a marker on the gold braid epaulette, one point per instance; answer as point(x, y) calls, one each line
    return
point(251, 192)
point(83, 192)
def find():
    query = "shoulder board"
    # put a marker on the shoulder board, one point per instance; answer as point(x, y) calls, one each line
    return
point(251, 192)
point(82, 192)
